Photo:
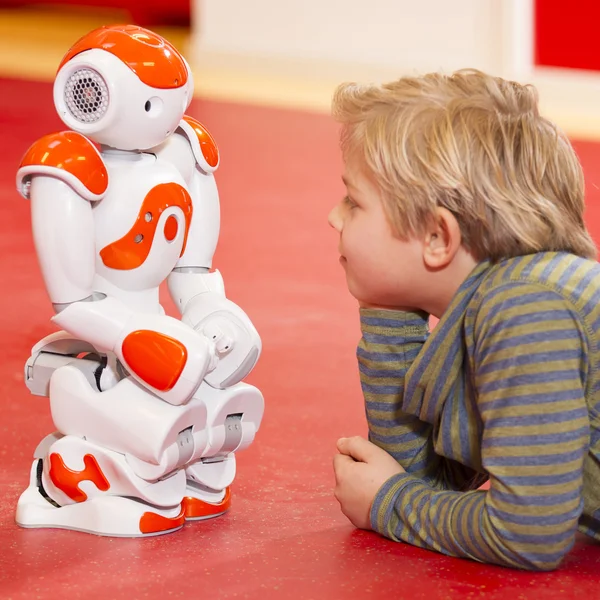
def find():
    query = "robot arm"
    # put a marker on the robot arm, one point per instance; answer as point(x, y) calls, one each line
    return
point(161, 353)
point(198, 293)
point(193, 151)
point(61, 174)
point(221, 321)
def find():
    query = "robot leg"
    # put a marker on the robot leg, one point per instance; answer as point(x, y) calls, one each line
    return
point(234, 416)
point(155, 437)
point(118, 456)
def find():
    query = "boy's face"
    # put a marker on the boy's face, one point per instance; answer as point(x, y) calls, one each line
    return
point(381, 270)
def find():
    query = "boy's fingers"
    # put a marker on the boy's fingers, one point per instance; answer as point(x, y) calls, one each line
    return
point(340, 461)
point(356, 447)
point(344, 444)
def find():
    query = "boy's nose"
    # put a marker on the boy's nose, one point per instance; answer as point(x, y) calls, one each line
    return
point(335, 218)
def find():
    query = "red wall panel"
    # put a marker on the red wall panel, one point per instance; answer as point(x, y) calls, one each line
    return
point(143, 12)
point(567, 34)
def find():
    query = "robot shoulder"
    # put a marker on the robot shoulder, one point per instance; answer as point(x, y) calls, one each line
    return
point(204, 147)
point(68, 156)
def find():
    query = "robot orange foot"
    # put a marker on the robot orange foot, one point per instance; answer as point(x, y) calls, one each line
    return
point(197, 510)
point(113, 516)
point(199, 503)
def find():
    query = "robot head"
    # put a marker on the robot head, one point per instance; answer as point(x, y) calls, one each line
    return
point(123, 86)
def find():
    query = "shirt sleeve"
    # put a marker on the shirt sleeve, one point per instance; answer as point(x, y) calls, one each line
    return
point(391, 341)
point(530, 369)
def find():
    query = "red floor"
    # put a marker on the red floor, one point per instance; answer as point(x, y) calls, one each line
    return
point(285, 536)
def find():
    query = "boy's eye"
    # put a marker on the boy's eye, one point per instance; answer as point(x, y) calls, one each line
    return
point(349, 202)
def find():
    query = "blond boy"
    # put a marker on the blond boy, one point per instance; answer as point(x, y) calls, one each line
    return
point(465, 204)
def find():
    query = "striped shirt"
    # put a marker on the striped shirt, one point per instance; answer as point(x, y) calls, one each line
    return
point(507, 389)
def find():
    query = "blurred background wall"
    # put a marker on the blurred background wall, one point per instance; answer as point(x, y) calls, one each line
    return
point(143, 12)
point(551, 43)
point(294, 52)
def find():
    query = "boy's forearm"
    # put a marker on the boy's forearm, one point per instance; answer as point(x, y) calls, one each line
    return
point(390, 343)
point(461, 524)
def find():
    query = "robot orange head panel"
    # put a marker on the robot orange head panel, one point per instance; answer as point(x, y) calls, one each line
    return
point(152, 58)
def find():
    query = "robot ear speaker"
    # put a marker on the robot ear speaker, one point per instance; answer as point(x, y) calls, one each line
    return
point(86, 95)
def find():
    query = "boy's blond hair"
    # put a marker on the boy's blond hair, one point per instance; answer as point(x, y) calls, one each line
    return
point(476, 145)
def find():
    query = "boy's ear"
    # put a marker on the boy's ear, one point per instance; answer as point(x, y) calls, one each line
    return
point(442, 239)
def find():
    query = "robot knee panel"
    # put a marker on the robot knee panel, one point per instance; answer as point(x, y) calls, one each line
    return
point(234, 417)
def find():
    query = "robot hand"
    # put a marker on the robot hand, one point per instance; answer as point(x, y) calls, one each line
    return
point(161, 353)
point(165, 354)
point(227, 326)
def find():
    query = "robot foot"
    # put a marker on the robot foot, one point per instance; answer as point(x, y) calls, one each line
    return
point(113, 516)
point(200, 503)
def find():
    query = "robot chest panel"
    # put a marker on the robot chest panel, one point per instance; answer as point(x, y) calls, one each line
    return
point(142, 223)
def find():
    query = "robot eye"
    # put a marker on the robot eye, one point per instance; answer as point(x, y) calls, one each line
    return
point(86, 95)
point(148, 106)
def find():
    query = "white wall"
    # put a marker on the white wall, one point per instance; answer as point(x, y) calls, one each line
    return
point(422, 34)
point(296, 51)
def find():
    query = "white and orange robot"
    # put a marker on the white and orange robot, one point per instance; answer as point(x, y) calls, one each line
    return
point(149, 409)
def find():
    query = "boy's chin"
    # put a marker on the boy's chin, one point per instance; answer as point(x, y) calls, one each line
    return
point(366, 302)
point(363, 299)
point(354, 290)
point(387, 303)
point(366, 298)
